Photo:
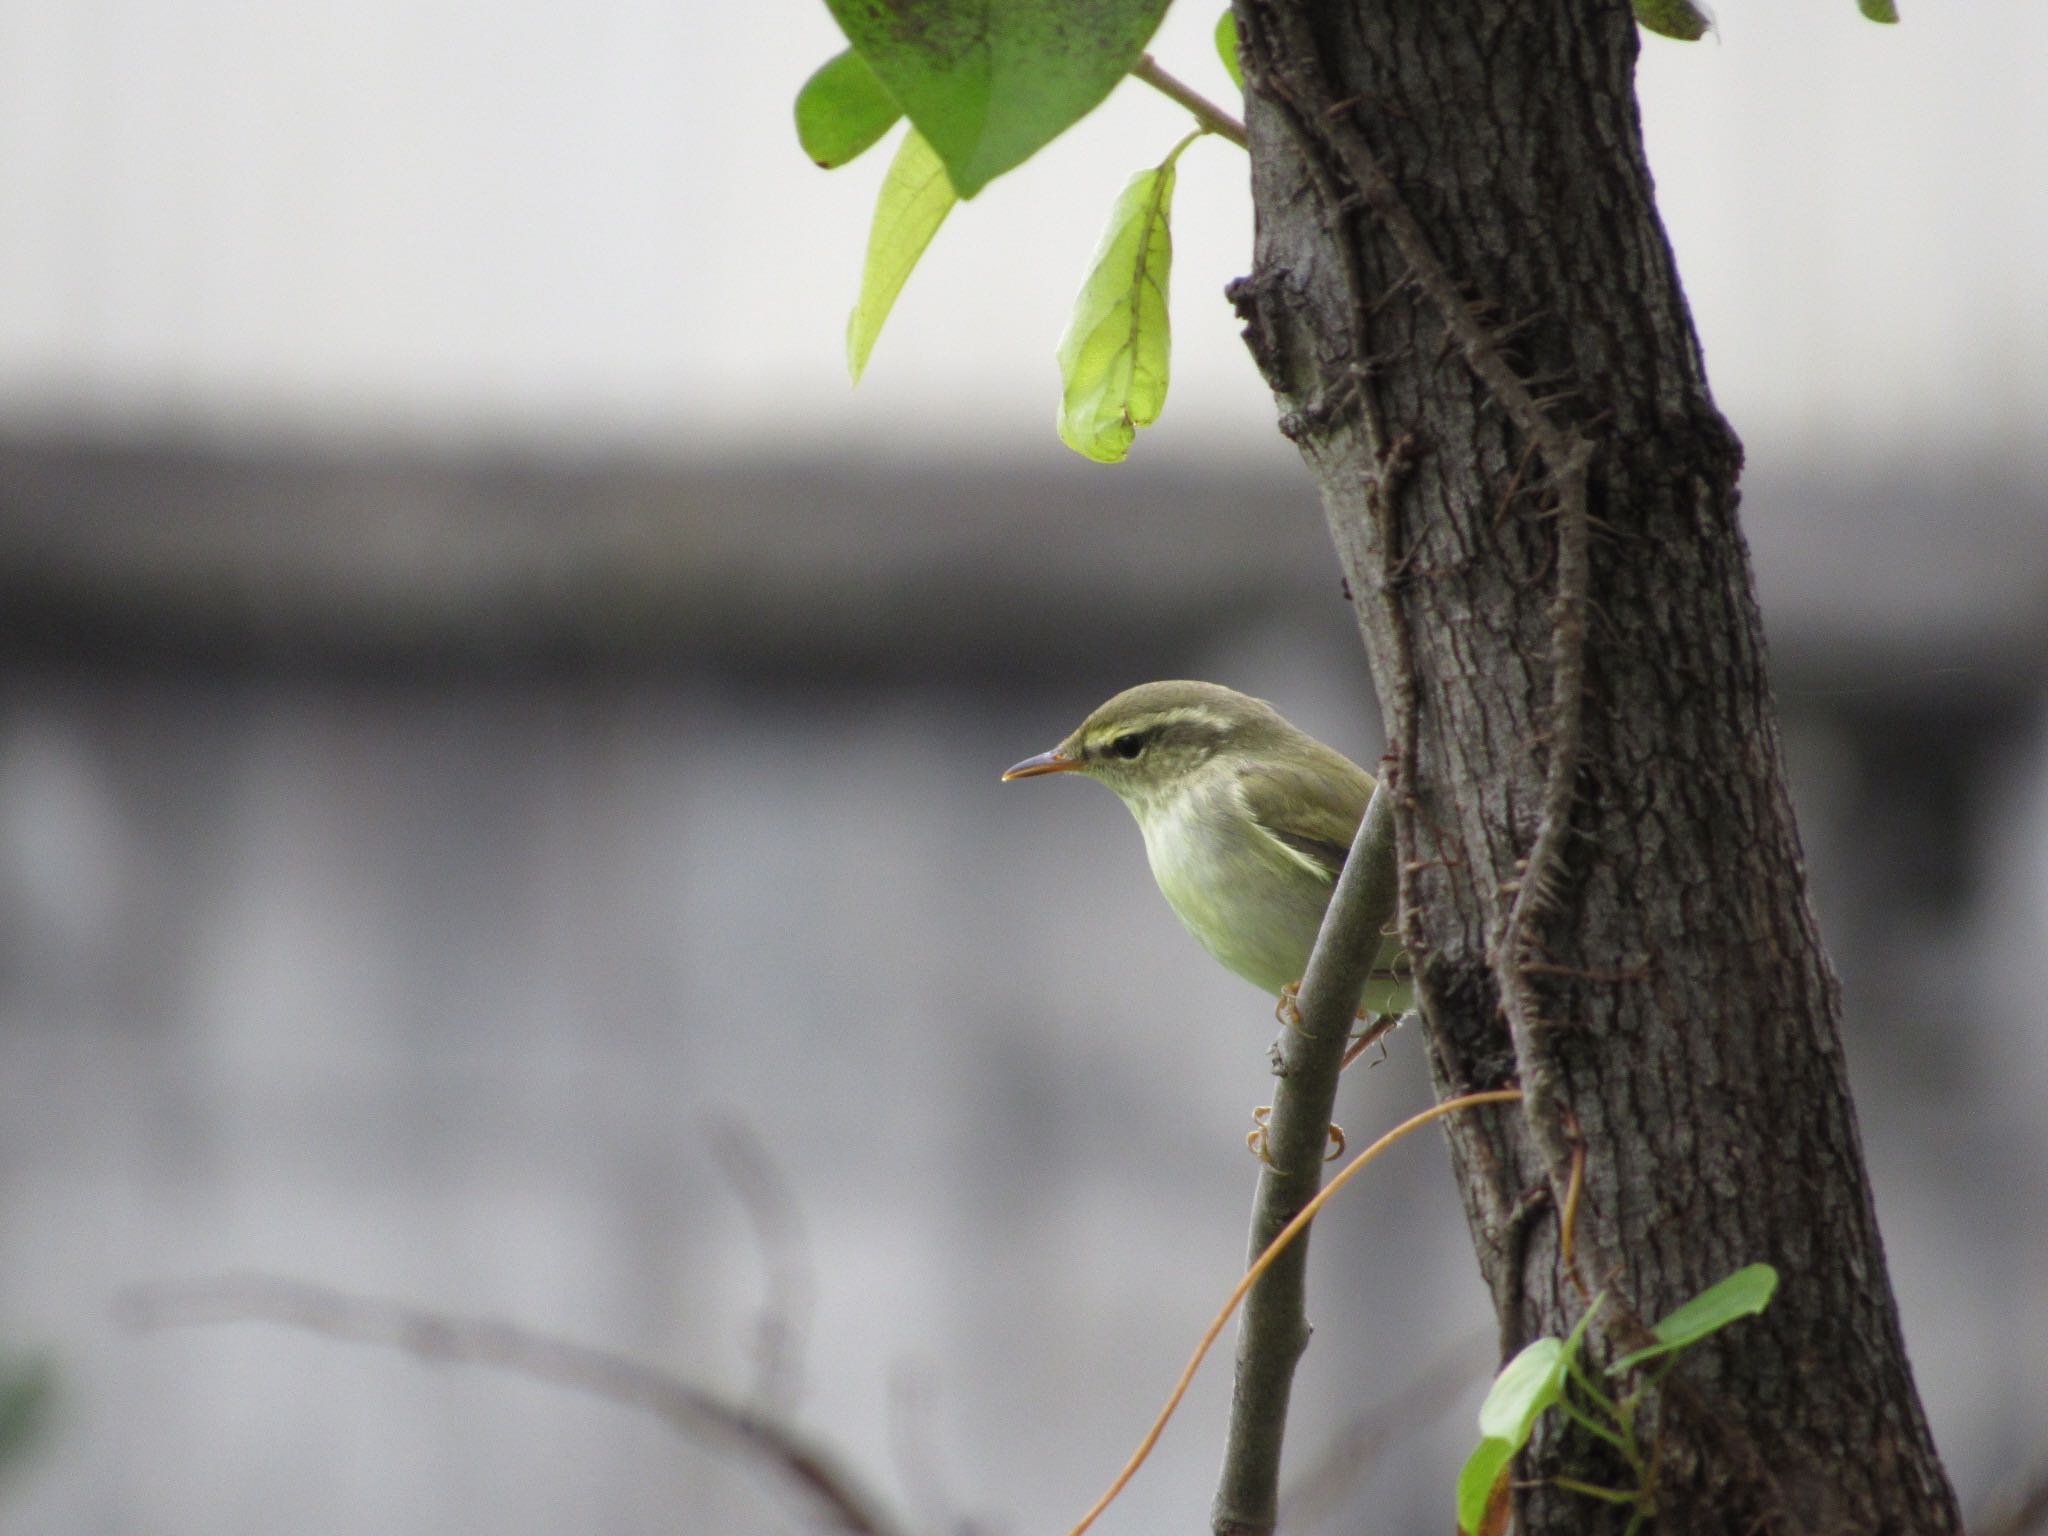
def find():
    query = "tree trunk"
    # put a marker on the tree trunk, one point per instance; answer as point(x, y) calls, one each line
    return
point(1466, 305)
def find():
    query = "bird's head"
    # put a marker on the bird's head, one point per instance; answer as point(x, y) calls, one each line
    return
point(1148, 741)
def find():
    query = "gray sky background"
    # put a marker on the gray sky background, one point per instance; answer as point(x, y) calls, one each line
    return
point(591, 225)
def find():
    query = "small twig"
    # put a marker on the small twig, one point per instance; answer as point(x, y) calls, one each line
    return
point(1568, 1221)
point(1207, 113)
point(1283, 1245)
point(690, 1410)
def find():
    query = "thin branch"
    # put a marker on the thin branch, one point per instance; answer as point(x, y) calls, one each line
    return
point(691, 1411)
point(1568, 1219)
point(1275, 1327)
point(1207, 113)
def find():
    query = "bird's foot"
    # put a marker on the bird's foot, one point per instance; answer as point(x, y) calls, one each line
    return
point(1288, 1010)
point(1255, 1138)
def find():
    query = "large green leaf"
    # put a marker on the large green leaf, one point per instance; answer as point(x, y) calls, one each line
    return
point(1114, 357)
point(990, 82)
point(842, 110)
point(1681, 19)
point(1879, 10)
point(1526, 1386)
point(1743, 1294)
point(914, 202)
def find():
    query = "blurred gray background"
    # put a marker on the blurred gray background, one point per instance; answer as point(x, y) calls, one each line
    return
point(483, 708)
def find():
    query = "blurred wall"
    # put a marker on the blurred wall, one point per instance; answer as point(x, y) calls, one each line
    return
point(406, 864)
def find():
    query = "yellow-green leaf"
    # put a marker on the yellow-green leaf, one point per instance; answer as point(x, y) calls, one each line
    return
point(1226, 46)
point(841, 110)
point(1879, 10)
point(914, 202)
point(1114, 356)
point(1686, 20)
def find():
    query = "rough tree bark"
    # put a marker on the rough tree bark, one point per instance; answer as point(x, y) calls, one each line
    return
point(1466, 305)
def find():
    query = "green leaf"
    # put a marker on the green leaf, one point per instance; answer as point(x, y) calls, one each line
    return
point(914, 202)
point(990, 82)
point(1879, 10)
point(842, 110)
point(1526, 1386)
point(1743, 1294)
point(1682, 19)
point(1226, 46)
point(1114, 356)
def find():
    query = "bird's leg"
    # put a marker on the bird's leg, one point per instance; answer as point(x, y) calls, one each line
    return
point(1255, 1138)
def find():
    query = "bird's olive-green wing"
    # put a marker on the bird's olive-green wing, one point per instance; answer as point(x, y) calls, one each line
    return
point(1311, 807)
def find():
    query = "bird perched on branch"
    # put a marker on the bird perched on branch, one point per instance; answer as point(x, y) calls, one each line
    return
point(1246, 819)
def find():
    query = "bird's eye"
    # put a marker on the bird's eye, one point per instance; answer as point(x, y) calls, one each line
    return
point(1128, 745)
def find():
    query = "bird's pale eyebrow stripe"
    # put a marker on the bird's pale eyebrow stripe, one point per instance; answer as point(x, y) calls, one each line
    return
point(1184, 714)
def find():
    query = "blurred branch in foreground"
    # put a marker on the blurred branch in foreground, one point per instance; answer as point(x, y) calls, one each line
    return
point(690, 1410)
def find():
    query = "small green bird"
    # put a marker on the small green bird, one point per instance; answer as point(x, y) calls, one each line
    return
point(1246, 819)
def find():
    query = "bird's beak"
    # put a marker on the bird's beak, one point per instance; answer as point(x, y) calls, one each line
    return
point(1054, 761)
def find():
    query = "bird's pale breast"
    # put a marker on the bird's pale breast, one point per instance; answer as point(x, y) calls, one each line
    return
point(1252, 903)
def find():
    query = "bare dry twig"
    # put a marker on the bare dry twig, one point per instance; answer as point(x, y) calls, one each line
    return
point(692, 1411)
